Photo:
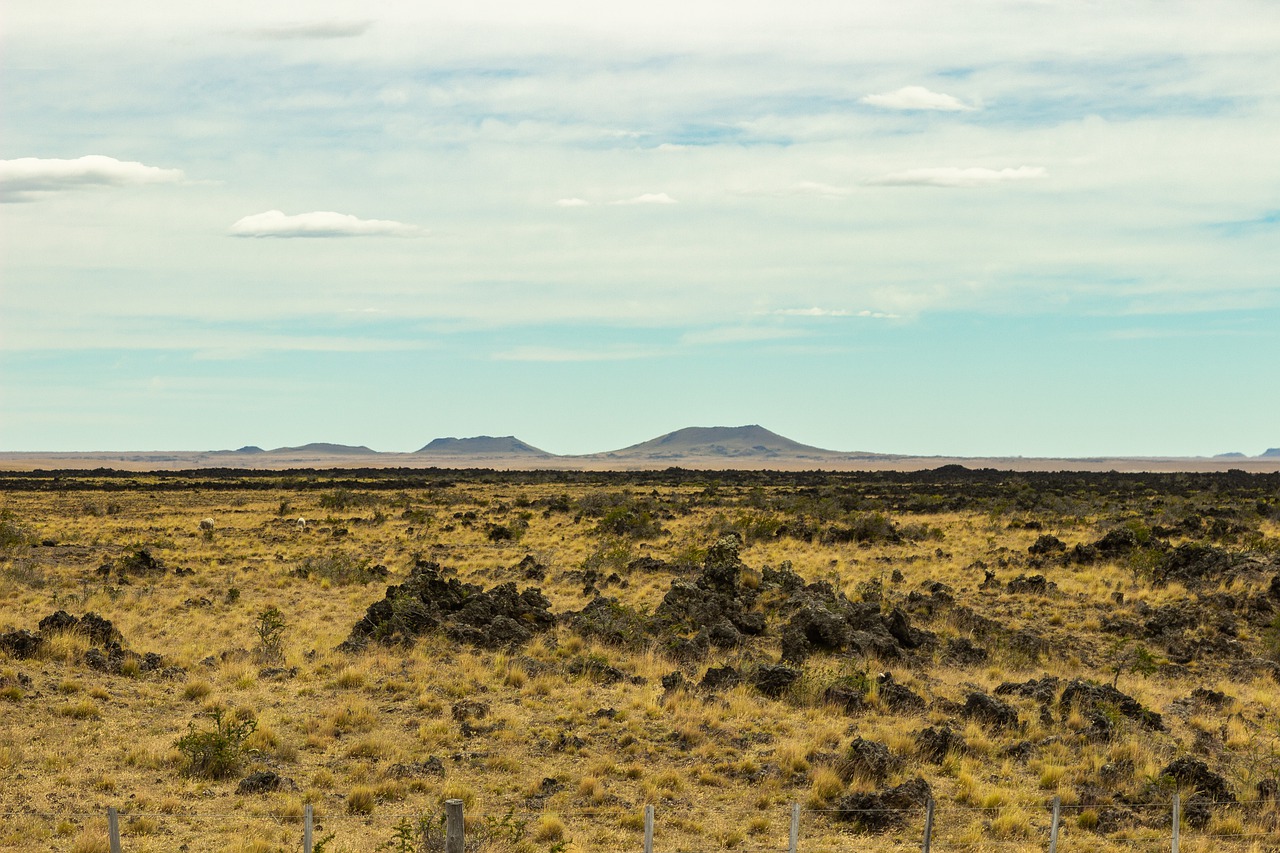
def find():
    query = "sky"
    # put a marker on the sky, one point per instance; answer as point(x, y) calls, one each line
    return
point(998, 227)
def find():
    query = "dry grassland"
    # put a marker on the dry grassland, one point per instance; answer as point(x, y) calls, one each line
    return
point(549, 750)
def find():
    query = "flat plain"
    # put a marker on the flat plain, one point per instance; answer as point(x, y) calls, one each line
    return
point(561, 649)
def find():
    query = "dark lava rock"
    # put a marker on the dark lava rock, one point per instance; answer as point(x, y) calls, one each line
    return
point(431, 767)
point(774, 680)
point(139, 562)
point(111, 659)
point(1032, 585)
point(1193, 564)
point(720, 678)
point(100, 631)
point(58, 621)
point(1212, 698)
point(1095, 697)
point(868, 759)
point(530, 569)
point(848, 697)
point(961, 651)
point(993, 712)
point(1193, 772)
point(673, 680)
point(895, 697)
point(1047, 546)
point(265, 782)
point(427, 601)
point(935, 743)
point(20, 644)
point(1043, 690)
point(884, 810)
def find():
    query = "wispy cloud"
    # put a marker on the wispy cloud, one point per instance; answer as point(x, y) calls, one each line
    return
point(312, 30)
point(29, 178)
point(573, 202)
point(647, 198)
point(320, 223)
point(952, 176)
point(917, 98)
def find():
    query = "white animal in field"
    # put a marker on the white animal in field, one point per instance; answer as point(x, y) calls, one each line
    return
point(206, 524)
point(302, 523)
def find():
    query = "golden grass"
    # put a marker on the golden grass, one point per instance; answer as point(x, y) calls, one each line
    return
point(722, 770)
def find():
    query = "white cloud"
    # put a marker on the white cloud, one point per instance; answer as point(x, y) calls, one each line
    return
point(952, 176)
point(573, 202)
point(312, 30)
point(320, 223)
point(647, 198)
point(916, 98)
point(28, 178)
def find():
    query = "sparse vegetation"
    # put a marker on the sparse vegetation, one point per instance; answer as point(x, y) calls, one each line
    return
point(1004, 638)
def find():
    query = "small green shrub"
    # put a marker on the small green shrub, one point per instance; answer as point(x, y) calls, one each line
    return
point(270, 628)
point(217, 754)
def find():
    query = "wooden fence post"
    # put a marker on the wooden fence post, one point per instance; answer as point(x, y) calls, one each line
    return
point(648, 829)
point(928, 825)
point(307, 828)
point(795, 828)
point(1177, 821)
point(1053, 827)
point(113, 829)
point(454, 836)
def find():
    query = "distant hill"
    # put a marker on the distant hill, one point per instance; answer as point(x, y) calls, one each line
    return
point(325, 447)
point(728, 442)
point(482, 445)
point(250, 448)
point(1232, 455)
point(1271, 452)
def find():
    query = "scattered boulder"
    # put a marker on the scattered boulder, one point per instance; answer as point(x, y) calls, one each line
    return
point(720, 678)
point(265, 782)
point(1043, 690)
point(1031, 585)
point(883, 810)
point(1047, 545)
point(896, 697)
point(934, 743)
point(961, 651)
point(1088, 697)
point(774, 679)
point(868, 759)
point(993, 712)
point(20, 644)
point(427, 601)
point(1193, 772)
point(1193, 564)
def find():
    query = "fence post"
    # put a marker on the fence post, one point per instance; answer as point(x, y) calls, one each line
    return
point(1053, 827)
point(1177, 821)
point(454, 838)
point(113, 829)
point(648, 829)
point(795, 828)
point(928, 825)
point(307, 827)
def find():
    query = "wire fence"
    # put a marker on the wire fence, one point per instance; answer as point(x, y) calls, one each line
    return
point(1193, 826)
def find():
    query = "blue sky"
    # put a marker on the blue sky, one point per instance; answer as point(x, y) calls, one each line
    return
point(992, 228)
